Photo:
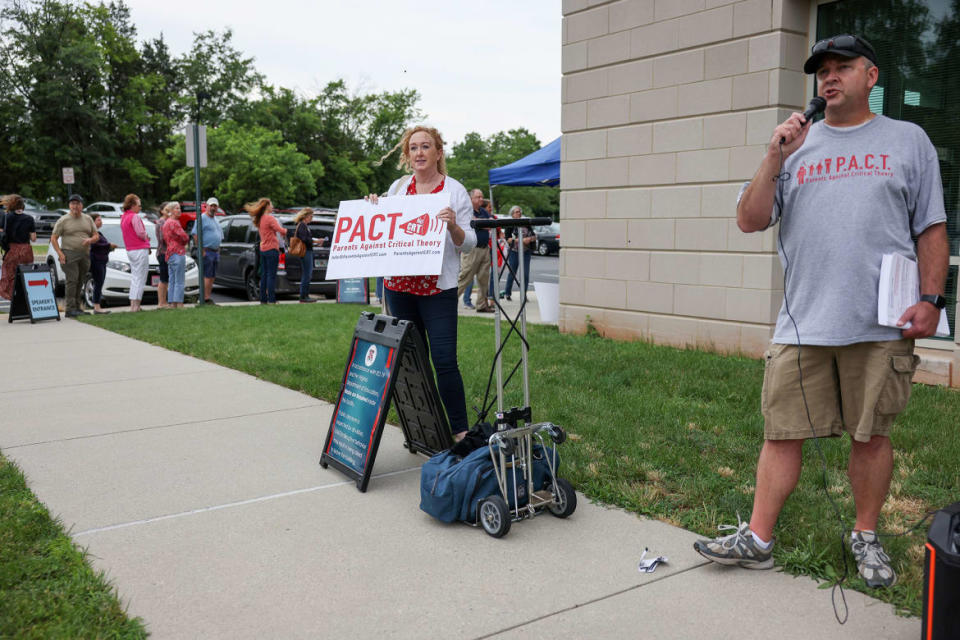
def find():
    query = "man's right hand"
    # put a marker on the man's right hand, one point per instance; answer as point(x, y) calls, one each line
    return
point(63, 258)
point(793, 131)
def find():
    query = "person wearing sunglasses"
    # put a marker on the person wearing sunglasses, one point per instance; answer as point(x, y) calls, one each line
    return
point(845, 191)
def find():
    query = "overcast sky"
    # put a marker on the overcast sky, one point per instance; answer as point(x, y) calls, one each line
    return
point(479, 66)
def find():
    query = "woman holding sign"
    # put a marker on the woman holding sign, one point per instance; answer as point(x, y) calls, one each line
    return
point(430, 302)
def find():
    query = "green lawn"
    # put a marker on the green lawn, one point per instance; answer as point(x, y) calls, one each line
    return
point(667, 433)
point(47, 589)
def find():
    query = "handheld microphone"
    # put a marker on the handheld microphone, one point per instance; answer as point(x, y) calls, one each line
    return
point(817, 105)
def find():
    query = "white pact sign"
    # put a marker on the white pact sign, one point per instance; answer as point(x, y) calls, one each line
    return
point(398, 236)
point(68, 175)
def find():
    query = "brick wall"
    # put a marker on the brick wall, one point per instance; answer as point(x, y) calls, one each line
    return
point(667, 109)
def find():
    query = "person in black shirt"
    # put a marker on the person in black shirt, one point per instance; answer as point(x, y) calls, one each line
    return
point(99, 256)
point(19, 231)
point(476, 262)
point(303, 220)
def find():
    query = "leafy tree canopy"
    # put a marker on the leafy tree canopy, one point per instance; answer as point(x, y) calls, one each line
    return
point(247, 163)
point(475, 156)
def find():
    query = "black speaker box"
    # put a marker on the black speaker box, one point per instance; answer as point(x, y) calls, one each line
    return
point(941, 577)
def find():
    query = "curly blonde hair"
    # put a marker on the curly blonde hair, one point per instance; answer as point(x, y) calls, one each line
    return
point(404, 147)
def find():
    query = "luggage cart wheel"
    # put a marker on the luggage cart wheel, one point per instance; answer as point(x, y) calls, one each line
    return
point(495, 516)
point(566, 498)
point(558, 435)
point(507, 445)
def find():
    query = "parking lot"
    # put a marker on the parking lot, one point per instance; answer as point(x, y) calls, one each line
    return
point(542, 268)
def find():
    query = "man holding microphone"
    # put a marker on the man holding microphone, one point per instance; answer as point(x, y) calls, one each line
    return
point(845, 191)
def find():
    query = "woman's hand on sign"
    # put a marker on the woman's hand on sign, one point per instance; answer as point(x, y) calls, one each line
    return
point(448, 216)
point(372, 198)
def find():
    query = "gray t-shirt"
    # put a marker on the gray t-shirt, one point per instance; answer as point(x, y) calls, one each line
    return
point(853, 195)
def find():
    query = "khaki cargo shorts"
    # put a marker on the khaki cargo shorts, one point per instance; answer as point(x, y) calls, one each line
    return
point(858, 388)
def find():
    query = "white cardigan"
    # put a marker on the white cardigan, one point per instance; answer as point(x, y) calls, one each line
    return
point(460, 203)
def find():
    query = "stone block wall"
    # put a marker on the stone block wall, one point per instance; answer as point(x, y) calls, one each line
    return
point(668, 106)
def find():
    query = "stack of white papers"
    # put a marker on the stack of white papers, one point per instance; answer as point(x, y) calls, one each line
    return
point(899, 290)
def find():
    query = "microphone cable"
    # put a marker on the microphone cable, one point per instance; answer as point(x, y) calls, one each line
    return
point(780, 178)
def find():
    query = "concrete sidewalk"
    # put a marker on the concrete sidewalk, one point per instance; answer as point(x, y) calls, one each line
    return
point(197, 489)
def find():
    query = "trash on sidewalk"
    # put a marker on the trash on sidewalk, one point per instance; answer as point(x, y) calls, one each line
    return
point(649, 566)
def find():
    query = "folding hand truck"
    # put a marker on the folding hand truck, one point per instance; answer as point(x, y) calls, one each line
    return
point(512, 447)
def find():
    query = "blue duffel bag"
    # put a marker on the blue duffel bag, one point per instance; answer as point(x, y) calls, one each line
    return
point(452, 487)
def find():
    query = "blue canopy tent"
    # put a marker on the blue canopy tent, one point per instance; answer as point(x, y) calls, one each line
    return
point(539, 169)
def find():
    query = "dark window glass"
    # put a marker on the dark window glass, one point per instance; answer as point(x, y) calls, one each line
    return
point(918, 50)
point(238, 231)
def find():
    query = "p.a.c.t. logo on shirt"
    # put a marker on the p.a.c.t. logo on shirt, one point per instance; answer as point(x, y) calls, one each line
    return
point(371, 355)
point(863, 165)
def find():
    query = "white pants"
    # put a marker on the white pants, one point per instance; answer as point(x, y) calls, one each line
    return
point(139, 264)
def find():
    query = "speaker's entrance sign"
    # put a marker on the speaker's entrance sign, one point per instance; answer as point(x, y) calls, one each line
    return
point(33, 296)
point(399, 236)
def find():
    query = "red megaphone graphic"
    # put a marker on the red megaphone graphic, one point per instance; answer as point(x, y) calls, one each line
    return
point(418, 226)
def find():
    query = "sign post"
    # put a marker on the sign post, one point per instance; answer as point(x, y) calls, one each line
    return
point(33, 296)
point(68, 180)
point(387, 361)
point(196, 147)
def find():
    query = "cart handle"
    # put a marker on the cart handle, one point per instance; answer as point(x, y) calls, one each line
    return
point(509, 223)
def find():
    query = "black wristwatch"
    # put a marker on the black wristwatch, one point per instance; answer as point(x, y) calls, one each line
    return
point(936, 300)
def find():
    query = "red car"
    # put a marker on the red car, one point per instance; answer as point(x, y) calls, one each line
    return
point(188, 213)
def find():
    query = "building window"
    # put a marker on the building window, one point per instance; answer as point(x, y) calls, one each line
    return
point(918, 50)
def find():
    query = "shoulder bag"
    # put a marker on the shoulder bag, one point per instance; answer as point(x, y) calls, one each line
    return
point(297, 247)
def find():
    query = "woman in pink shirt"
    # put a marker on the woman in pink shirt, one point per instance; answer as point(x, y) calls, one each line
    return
point(176, 239)
point(137, 243)
point(268, 226)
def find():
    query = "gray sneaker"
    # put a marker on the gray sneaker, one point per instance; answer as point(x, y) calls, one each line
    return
point(738, 548)
point(872, 561)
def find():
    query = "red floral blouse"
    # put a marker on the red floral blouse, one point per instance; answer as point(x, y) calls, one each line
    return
point(417, 285)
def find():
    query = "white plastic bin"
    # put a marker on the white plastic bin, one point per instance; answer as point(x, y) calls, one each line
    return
point(548, 298)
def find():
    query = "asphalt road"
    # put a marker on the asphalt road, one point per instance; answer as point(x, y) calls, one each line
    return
point(543, 268)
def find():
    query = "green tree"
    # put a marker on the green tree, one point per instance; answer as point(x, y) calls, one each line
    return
point(163, 112)
point(52, 76)
point(475, 156)
point(246, 163)
point(214, 67)
point(345, 132)
point(75, 96)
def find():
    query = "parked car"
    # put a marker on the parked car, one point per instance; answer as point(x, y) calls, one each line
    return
point(116, 286)
point(548, 238)
point(188, 213)
point(239, 256)
point(43, 218)
point(105, 209)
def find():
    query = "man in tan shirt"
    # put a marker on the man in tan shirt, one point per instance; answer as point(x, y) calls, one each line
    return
point(71, 239)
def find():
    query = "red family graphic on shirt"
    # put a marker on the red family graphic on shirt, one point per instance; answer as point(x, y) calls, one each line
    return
point(843, 167)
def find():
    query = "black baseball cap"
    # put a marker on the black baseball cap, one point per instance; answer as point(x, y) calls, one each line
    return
point(847, 45)
point(75, 198)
